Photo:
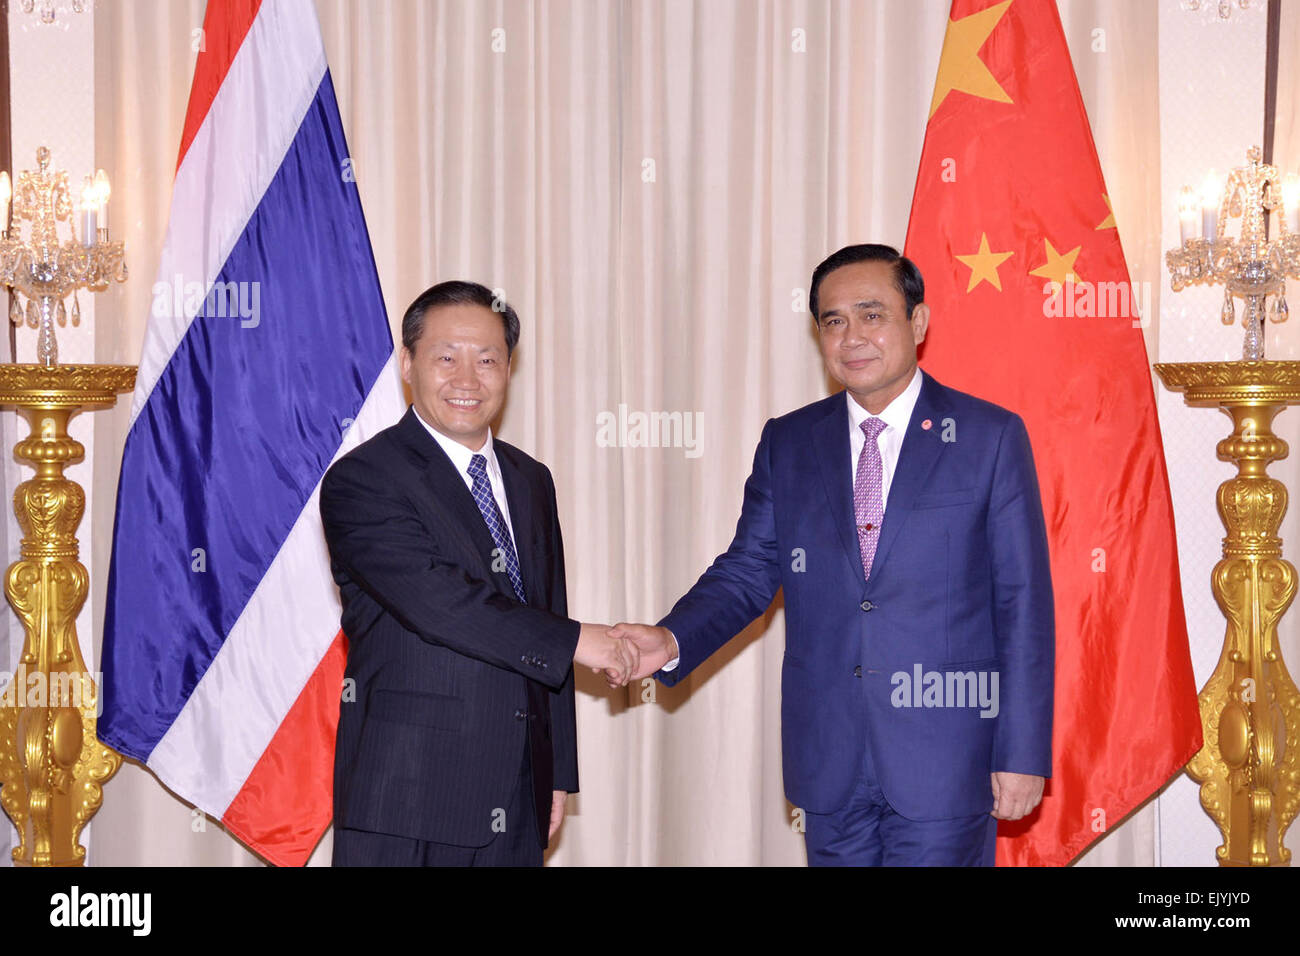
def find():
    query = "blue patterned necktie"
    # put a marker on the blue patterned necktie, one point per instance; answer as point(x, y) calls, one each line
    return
point(487, 505)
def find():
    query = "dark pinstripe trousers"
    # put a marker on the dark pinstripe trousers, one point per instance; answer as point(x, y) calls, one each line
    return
point(519, 844)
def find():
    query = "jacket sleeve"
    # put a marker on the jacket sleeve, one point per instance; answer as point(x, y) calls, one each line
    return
point(741, 582)
point(1023, 609)
point(376, 539)
point(564, 734)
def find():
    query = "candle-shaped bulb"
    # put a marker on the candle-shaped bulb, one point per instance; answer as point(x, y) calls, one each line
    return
point(102, 190)
point(1211, 194)
point(1189, 215)
point(1291, 202)
point(1211, 190)
point(89, 208)
point(6, 193)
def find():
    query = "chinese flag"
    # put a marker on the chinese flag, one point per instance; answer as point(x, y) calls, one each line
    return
point(1032, 309)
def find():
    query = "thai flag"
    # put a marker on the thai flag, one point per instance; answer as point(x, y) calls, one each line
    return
point(268, 354)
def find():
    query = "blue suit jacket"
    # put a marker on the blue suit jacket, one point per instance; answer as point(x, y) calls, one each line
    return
point(960, 585)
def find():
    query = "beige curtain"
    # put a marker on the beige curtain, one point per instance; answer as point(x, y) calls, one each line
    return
point(651, 183)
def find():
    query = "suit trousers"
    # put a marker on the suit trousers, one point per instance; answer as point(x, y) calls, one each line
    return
point(519, 844)
point(868, 832)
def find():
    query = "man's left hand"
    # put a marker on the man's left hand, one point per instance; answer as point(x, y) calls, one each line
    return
point(1015, 794)
point(557, 811)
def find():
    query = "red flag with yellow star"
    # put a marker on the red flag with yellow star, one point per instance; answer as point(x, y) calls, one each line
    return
point(1032, 308)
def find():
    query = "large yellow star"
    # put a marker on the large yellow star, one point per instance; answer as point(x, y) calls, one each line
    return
point(984, 264)
point(1058, 267)
point(960, 66)
point(1109, 221)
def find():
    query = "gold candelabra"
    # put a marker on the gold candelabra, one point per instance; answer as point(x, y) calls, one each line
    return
point(52, 764)
point(1249, 764)
point(40, 268)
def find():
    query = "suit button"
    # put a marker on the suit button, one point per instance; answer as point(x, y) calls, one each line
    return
point(520, 715)
point(866, 605)
point(857, 671)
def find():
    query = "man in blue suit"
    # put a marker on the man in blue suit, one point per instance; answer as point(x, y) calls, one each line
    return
point(903, 520)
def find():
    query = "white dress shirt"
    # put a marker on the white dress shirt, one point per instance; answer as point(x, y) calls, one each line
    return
point(460, 457)
point(896, 416)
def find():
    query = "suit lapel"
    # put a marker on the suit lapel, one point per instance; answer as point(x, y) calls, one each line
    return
point(447, 487)
point(830, 438)
point(916, 459)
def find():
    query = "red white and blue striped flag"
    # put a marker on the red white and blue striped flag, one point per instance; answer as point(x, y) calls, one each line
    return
point(268, 354)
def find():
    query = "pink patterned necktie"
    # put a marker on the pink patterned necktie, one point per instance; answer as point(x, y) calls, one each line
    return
point(868, 497)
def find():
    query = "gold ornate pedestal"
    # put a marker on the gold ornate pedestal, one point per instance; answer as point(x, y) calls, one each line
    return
point(1249, 767)
point(51, 763)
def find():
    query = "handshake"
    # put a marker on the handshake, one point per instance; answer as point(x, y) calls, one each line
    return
point(624, 652)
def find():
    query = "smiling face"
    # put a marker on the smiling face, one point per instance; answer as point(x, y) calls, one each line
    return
point(459, 371)
point(867, 340)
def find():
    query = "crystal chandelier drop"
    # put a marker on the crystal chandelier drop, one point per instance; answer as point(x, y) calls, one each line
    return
point(39, 268)
point(1224, 6)
point(48, 9)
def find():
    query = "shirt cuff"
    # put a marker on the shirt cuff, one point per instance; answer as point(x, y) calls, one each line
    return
point(672, 664)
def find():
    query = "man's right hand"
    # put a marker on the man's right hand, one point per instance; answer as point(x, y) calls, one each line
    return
point(655, 645)
point(601, 650)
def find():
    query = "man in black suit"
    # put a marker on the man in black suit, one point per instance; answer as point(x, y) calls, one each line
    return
point(458, 746)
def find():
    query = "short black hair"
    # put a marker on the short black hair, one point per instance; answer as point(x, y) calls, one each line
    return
point(458, 292)
point(906, 275)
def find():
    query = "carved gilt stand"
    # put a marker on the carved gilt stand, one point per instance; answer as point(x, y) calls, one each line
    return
point(1249, 766)
point(51, 763)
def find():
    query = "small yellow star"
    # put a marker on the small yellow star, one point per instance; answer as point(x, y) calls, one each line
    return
point(1109, 221)
point(960, 66)
point(1058, 268)
point(984, 264)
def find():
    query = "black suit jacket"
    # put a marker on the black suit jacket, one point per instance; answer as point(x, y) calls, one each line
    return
point(456, 683)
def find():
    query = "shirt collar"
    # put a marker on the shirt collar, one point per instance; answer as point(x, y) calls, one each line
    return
point(897, 413)
point(460, 455)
